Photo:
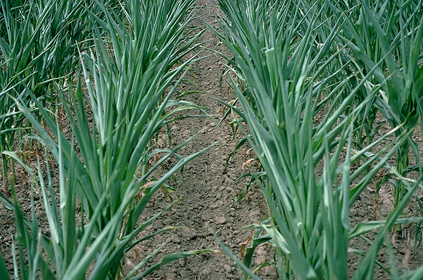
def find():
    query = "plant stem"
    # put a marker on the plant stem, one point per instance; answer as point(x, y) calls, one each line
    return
point(403, 162)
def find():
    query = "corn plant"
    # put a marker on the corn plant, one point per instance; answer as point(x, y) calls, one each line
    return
point(130, 75)
point(284, 80)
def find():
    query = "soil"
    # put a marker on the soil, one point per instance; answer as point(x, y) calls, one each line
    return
point(209, 188)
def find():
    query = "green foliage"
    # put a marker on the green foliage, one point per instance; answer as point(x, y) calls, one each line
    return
point(38, 46)
point(291, 65)
point(130, 76)
point(311, 79)
point(390, 34)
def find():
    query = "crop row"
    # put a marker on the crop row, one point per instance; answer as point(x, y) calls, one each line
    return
point(317, 83)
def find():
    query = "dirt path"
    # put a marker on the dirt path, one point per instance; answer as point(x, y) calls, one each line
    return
point(208, 191)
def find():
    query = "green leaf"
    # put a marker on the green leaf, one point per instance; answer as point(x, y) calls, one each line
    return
point(4, 273)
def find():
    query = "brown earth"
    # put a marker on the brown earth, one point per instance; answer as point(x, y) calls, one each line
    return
point(209, 190)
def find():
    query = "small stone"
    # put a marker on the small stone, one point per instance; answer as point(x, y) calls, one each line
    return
point(170, 276)
point(227, 268)
point(176, 240)
point(220, 220)
point(184, 274)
